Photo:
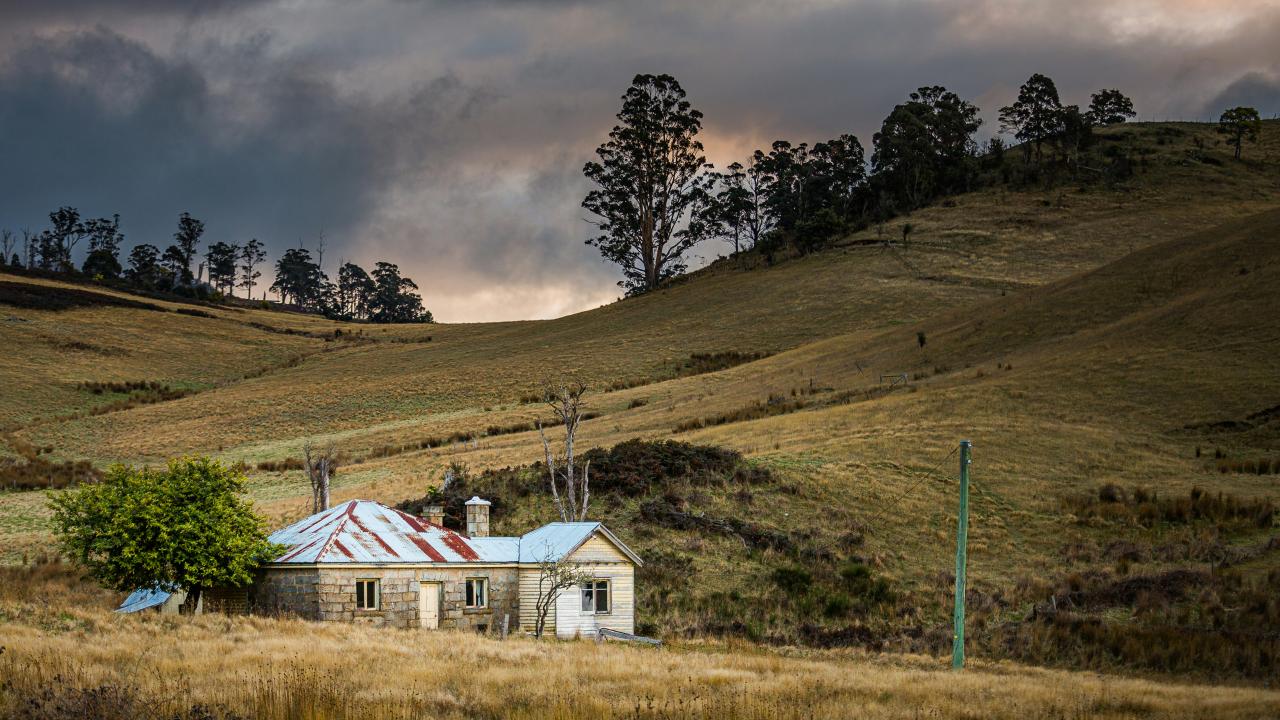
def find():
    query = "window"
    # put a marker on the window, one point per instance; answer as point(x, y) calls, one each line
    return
point(595, 596)
point(477, 592)
point(367, 595)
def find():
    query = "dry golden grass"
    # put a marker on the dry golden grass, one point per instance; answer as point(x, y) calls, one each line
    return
point(280, 669)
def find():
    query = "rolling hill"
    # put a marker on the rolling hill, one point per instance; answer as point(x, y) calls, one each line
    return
point(1081, 335)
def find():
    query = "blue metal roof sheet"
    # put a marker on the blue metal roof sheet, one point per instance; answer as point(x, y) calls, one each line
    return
point(144, 598)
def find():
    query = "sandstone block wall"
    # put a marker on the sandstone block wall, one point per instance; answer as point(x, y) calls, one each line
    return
point(288, 591)
point(335, 596)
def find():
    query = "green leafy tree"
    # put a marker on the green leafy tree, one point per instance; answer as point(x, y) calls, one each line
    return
point(185, 526)
point(1036, 116)
point(1240, 124)
point(187, 240)
point(251, 255)
point(1109, 107)
point(652, 179)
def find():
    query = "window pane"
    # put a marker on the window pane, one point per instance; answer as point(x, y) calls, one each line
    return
point(471, 593)
point(482, 588)
point(587, 601)
point(602, 596)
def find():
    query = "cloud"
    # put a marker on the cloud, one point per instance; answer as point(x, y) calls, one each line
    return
point(1253, 89)
point(449, 136)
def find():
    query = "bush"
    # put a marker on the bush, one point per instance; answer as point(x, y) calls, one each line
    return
point(792, 579)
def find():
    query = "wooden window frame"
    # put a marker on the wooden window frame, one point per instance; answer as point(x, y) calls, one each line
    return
point(377, 594)
point(466, 590)
point(592, 588)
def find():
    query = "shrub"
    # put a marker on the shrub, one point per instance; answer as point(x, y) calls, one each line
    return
point(792, 579)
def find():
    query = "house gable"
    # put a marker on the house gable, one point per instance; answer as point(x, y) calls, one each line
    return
point(598, 548)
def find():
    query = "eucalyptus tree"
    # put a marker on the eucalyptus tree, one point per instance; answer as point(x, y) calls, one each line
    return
point(252, 254)
point(1109, 107)
point(652, 180)
point(186, 240)
point(220, 258)
point(1036, 116)
point(1240, 124)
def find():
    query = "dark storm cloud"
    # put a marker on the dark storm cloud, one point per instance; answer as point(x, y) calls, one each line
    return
point(449, 136)
point(1256, 90)
point(99, 121)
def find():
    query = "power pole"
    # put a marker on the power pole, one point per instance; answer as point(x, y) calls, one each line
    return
point(962, 552)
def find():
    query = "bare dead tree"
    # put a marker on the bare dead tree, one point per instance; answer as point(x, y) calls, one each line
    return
point(565, 399)
point(28, 249)
point(8, 244)
point(554, 576)
point(321, 466)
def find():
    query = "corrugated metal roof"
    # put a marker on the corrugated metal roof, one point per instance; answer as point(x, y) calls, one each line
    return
point(363, 531)
point(144, 598)
point(554, 540)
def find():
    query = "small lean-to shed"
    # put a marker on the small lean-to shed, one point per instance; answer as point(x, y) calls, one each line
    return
point(607, 600)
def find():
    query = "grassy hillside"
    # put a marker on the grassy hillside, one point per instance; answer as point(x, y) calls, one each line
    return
point(1082, 335)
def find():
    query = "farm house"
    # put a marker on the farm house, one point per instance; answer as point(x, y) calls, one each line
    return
point(364, 562)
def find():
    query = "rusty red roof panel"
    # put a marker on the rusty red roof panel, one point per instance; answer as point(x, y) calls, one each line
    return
point(369, 532)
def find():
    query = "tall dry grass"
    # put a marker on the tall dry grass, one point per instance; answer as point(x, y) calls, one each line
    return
point(64, 652)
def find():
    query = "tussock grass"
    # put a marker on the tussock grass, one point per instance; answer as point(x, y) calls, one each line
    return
point(58, 652)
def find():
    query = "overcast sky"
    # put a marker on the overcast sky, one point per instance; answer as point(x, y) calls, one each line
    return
point(449, 136)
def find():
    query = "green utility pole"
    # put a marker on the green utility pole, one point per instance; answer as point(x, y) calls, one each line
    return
point(962, 552)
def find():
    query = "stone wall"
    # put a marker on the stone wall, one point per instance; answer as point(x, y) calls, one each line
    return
point(335, 597)
point(287, 591)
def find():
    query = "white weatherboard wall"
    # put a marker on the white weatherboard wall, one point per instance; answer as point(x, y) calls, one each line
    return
point(601, 559)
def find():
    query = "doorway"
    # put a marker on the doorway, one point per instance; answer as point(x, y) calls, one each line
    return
point(429, 606)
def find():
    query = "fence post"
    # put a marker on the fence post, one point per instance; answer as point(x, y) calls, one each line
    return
point(962, 548)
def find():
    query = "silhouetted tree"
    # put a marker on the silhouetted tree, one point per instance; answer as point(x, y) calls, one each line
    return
point(1240, 124)
point(105, 237)
point(394, 299)
point(1036, 116)
point(727, 216)
point(651, 177)
point(1109, 107)
point(220, 258)
point(356, 291)
point(56, 244)
point(187, 240)
point(838, 173)
point(176, 266)
point(144, 266)
point(252, 254)
point(298, 279)
point(1076, 133)
point(925, 147)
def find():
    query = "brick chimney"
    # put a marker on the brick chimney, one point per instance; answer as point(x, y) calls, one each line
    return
point(433, 514)
point(477, 517)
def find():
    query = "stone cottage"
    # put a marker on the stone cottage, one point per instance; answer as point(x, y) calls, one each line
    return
point(364, 562)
